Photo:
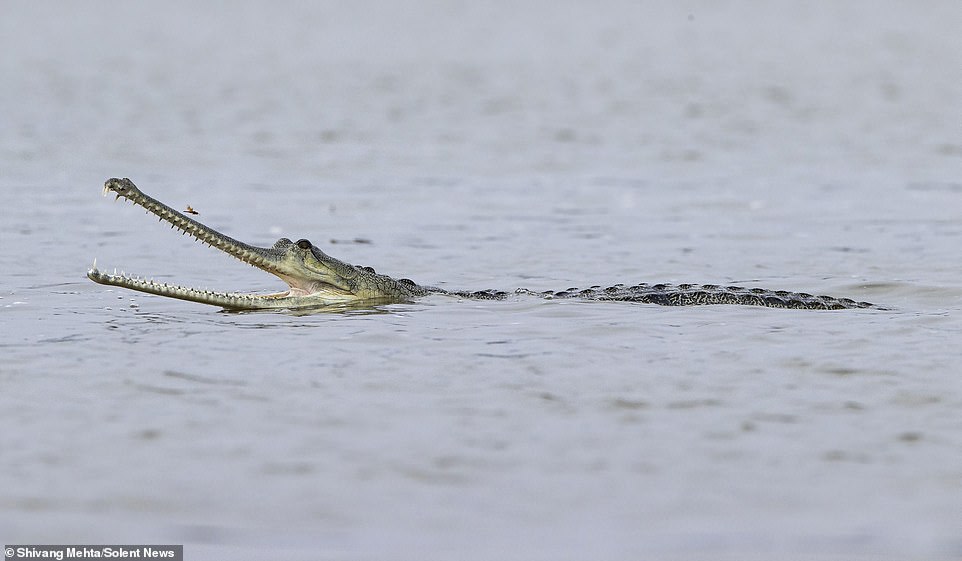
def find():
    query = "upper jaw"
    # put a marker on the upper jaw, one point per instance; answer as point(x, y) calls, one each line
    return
point(267, 259)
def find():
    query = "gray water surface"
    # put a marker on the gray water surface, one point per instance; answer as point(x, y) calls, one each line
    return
point(810, 147)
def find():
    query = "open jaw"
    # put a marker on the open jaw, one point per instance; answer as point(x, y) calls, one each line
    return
point(227, 300)
point(310, 281)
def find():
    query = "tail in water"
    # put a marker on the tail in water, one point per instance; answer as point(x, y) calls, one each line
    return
point(706, 294)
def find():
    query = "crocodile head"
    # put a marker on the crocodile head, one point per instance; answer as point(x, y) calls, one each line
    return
point(313, 277)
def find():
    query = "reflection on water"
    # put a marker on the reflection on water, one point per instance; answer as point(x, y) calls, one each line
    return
point(361, 308)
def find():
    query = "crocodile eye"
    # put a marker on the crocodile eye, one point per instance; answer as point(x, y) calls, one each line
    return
point(303, 244)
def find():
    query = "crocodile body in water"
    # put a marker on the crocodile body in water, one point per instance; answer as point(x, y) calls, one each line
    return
point(316, 279)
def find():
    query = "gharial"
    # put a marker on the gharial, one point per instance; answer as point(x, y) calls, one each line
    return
point(316, 279)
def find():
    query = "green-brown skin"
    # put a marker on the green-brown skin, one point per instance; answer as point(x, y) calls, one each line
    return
point(317, 280)
point(313, 277)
